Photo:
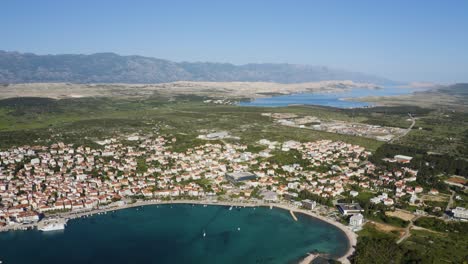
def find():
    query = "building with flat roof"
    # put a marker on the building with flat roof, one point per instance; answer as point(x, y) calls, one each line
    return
point(269, 196)
point(349, 208)
point(356, 220)
point(308, 204)
point(403, 158)
point(460, 212)
point(240, 176)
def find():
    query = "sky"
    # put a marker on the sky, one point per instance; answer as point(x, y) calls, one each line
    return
point(417, 40)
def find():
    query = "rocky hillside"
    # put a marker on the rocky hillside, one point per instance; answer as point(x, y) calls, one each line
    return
point(112, 68)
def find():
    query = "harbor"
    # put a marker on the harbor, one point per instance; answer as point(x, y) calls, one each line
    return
point(211, 228)
point(293, 210)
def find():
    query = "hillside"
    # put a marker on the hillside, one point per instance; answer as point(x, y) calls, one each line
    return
point(112, 68)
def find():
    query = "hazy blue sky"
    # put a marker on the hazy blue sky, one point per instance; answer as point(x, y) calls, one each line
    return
point(407, 40)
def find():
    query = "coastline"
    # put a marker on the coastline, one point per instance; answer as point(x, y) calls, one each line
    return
point(351, 236)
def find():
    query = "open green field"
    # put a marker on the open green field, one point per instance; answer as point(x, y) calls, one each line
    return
point(23, 120)
point(30, 120)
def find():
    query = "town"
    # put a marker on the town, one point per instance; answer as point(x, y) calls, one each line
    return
point(324, 176)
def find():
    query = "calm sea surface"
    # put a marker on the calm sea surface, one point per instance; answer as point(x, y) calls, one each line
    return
point(174, 234)
point(327, 99)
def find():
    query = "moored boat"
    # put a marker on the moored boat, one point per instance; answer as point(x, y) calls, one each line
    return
point(52, 227)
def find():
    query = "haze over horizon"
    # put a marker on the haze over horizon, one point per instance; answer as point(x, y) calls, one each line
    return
point(398, 40)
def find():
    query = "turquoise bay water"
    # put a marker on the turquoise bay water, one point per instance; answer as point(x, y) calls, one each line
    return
point(327, 99)
point(174, 234)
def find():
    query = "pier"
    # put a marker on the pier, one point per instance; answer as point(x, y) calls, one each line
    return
point(293, 215)
point(309, 259)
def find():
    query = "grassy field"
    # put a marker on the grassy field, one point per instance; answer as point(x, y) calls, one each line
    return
point(76, 120)
point(24, 120)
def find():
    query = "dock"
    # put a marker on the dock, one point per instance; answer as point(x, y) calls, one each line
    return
point(293, 215)
point(309, 259)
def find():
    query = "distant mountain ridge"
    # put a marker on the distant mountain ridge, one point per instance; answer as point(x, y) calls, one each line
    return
point(18, 67)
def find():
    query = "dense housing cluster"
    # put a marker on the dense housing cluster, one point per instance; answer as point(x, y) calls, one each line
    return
point(61, 177)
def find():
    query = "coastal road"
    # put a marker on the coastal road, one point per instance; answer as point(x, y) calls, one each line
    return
point(413, 122)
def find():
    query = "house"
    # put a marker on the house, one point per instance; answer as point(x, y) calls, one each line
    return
point(375, 200)
point(27, 217)
point(418, 189)
point(388, 201)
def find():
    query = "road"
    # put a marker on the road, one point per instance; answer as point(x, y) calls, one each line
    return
point(413, 122)
point(450, 203)
point(407, 230)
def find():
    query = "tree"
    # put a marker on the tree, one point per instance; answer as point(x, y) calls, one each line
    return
point(377, 250)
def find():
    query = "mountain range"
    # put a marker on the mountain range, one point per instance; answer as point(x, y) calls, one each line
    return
point(18, 67)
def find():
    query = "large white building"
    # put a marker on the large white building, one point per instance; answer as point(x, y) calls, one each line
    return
point(403, 158)
point(349, 209)
point(308, 204)
point(356, 220)
point(460, 212)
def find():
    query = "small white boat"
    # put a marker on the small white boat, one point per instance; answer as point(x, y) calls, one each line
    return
point(205, 205)
point(54, 226)
point(238, 229)
point(230, 208)
point(204, 234)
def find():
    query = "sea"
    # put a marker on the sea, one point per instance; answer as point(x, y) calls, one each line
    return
point(180, 233)
point(335, 99)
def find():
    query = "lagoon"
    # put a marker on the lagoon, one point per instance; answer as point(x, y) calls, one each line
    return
point(174, 234)
point(328, 99)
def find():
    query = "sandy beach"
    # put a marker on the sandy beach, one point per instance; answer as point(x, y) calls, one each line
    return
point(352, 237)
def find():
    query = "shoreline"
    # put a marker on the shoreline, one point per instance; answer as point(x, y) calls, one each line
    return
point(351, 236)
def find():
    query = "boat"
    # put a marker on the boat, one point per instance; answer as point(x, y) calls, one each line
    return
point(204, 234)
point(238, 229)
point(53, 226)
point(230, 208)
